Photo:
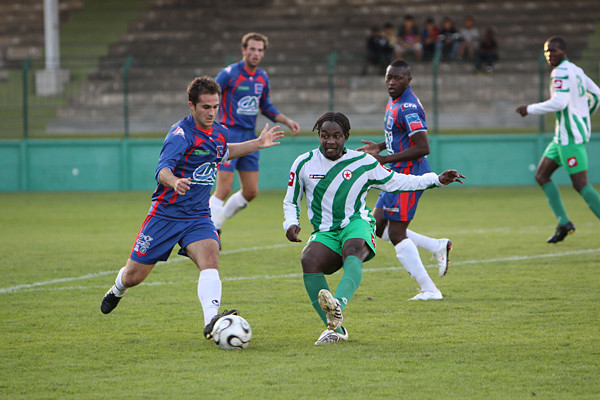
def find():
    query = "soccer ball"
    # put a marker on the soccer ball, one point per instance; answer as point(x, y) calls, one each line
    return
point(232, 332)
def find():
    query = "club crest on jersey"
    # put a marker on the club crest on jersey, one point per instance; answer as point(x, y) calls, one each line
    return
point(179, 132)
point(572, 162)
point(347, 174)
point(142, 244)
point(414, 122)
point(248, 105)
point(205, 174)
point(258, 88)
point(389, 124)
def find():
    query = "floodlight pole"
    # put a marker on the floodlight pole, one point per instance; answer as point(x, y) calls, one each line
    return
point(51, 34)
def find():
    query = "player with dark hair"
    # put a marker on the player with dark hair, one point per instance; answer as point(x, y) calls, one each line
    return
point(245, 92)
point(335, 181)
point(407, 146)
point(574, 97)
point(180, 213)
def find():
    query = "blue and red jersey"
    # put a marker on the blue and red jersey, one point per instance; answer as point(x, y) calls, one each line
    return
point(189, 152)
point(243, 95)
point(404, 116)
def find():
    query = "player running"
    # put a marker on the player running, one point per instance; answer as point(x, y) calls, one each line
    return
point(407, 146)
point(336, 181)
point(245, 92)
point(574, 97)
point(179, 213)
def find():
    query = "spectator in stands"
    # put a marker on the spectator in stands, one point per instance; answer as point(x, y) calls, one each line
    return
point(429, 38)
point(391, 38)
point(409, 39)
point(487, 53)
point(377, 51)
point(469, 40)
point(448, 40)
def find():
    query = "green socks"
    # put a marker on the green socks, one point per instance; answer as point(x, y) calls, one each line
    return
point(353, 269)
point(555, 201)
point(313, 284)
point(592, 198)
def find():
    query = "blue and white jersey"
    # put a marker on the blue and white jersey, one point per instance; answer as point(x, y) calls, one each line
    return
point(243, 96)
point(189, 152)
point(403, 118)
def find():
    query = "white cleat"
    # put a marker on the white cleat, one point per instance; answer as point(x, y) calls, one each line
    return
point(332, 309)
point(442, 255)
point(425, 295)
point(329, 336)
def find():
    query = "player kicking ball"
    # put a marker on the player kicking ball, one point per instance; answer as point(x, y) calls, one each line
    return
point(335, 181)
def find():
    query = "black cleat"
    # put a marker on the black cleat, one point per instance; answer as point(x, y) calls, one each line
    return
point(211, 325)
point(561, 232)
point(109, 302)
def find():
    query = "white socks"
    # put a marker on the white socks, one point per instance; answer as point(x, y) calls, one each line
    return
point(209, 293)
point(119, 289)
point(234, 204)
point(423, 242)
point(408, 254)
point(216, 211)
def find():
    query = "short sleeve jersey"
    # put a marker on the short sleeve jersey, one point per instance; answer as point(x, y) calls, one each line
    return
point(189, 152)
point(404, 117)
point(243, 96)
point(573, 96)
point(336, 190)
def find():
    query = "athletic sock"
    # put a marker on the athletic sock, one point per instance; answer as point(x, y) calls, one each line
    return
point(234, 204)
point(555, 201)
point(408, 254)
point(216, 211)
point(209, 293)
point(423, 241)
point(353, 269)
point(386, 234)
point(313, 284)
point(119, 289)
point(592, 198)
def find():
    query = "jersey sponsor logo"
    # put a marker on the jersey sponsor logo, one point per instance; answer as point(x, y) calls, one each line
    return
point(572, 162)
point(248, 105)
point(414, 122)
point(142, 244)
point(179, 132)
point(408, 105)
point(242, 87)
point(201, 152)
point(316, 176)
point(347, 174)
point(258, 88)
point(205, 174)
point(292, 177)
point(557, 84)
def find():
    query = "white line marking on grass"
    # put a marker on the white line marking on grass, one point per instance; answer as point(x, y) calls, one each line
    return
point(38, 285)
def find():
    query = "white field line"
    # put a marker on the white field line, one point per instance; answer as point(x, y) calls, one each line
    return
point(37, 286)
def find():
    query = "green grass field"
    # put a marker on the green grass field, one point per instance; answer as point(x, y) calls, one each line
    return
point(520, 317)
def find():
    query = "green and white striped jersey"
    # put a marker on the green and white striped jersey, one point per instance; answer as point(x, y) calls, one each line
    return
point(574, 97)
point(336, 191)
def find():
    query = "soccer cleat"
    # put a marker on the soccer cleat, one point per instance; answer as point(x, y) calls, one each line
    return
point(425, 295)
point(208, 329)
point(332, 309)
point(329, 336)
point(561, 232)
point(109, 302)
point(442, 255)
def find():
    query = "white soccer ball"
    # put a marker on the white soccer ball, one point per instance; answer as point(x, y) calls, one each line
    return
point(232, 332)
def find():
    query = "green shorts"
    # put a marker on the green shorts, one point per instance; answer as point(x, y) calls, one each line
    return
point(572, 156)
point(356, 229)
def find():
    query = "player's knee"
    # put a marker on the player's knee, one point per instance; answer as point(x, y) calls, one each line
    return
point(249, 195)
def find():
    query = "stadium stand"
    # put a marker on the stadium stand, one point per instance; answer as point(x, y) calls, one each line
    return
point(174, 40)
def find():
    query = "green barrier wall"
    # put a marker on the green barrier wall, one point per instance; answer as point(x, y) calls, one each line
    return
point(89, 165)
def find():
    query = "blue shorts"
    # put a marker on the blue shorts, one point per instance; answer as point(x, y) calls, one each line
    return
point(249, 162)
point(402, 206)
point(158, 236)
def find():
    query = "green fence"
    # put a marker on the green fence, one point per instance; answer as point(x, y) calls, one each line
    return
point(129, 164)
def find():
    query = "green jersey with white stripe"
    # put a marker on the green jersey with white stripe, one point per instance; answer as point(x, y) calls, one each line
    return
point(574, 96)
point(336, 191)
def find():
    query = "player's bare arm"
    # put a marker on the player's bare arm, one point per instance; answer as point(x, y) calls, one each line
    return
point(179, 185)
point(419, 149)
point(449, 176)
point(292, 233)
point(371, 147)
point(293, 125)
point(266, 139)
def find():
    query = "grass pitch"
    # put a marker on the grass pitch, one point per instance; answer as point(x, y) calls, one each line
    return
point(520, 318)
